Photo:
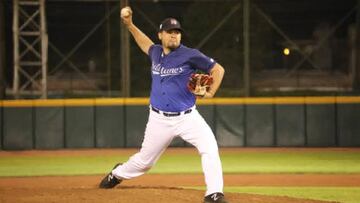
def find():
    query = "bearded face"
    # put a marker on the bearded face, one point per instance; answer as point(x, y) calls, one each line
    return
point(170, 39)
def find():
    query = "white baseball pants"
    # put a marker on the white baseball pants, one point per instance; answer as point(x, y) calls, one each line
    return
point(160, 131)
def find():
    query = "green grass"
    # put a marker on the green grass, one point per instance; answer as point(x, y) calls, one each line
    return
point(338, 194)
point(57, 165)
point(292, 162)
point(233, 162)
point(267, 162)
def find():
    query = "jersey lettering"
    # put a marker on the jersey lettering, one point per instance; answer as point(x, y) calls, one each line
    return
point(157, 69)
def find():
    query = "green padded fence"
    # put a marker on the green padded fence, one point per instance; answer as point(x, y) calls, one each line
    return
point(348, 122)
point(236, 122)
point(260, 125)
point(320, 125)
point(229, 121)
point(18, 126)
point(49, 127)
point(1, 125)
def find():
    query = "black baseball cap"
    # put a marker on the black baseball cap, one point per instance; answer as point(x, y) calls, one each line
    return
point(170, 24)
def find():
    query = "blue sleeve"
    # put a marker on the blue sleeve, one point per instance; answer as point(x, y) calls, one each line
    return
point(154, 51)
point(202, 62)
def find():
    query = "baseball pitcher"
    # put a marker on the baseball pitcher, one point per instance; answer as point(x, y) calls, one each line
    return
point(172, 110)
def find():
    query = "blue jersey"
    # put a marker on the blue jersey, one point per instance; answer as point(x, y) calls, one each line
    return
point(170, 75)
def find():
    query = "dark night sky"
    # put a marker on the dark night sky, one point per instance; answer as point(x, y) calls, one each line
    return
point(68, 21)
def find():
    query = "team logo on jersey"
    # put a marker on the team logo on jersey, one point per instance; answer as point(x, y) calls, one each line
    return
point(157, 69)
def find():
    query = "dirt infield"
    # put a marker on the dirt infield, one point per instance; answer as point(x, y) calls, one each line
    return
point(155, 188)
point(167, 188)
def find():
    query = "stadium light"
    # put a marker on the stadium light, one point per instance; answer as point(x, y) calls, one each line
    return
point(286, 51)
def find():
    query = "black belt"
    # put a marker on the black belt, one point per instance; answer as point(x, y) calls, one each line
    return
point(170, 114)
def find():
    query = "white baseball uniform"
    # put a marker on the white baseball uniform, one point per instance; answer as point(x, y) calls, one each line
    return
point(173, 113)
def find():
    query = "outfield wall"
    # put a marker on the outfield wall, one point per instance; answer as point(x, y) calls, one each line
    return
point(236, 122)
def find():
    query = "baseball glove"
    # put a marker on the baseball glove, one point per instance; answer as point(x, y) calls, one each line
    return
point(199, 84)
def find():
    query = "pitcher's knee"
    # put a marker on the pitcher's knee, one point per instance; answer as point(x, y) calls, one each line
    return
point(213, 153)
point(208, 145)
point(211, 149)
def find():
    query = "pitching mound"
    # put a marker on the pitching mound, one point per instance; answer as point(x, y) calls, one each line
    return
point(84, 189)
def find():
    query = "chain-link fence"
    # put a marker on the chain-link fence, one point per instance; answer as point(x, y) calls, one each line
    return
point(296, 47)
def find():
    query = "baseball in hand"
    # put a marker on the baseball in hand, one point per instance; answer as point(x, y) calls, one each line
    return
point(125, 12)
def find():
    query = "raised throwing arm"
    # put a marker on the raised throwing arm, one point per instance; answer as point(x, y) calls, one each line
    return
point(143, 41)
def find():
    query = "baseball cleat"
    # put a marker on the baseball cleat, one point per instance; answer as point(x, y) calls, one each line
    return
point(217, 197)
point(110, 181)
